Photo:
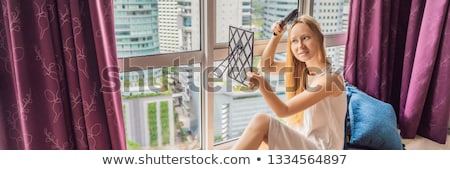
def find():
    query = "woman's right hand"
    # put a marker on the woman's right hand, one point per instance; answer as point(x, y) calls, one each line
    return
point(277, 29)
point(254, 80)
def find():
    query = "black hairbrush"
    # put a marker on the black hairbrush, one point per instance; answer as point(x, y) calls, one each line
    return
point(290, 17)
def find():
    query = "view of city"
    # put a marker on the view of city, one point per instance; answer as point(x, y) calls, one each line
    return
point(162, 105)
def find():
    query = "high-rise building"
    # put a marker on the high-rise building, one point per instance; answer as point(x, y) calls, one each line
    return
point(168, 26)
point(142, 117)
point(179, 25)
point(189, 24)
point(234, 109)
point(189, 95)
point(275, 10)
point(235, 13)
point(136, 27)
point(330, 15)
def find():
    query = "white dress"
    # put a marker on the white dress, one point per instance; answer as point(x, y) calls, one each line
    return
point(323, 127)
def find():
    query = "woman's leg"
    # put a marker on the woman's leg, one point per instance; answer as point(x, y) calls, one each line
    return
point(255, 133)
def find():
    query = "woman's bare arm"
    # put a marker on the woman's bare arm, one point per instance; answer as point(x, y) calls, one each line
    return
point(324, 86)
point(267, 64)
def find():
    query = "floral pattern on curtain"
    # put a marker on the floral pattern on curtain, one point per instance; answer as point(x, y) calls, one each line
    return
point(59, 76)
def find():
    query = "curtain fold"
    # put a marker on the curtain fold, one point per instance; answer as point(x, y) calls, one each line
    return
point(59, 74)
point(426, 104)
point(396, 51)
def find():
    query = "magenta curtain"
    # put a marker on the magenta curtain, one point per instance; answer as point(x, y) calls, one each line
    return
point(59, 76)
point(398, 51)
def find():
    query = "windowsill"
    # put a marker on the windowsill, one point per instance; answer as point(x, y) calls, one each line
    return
point(229, 145)
point(225, 146)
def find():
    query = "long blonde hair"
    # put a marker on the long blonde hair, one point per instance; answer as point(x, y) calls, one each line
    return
point(296, 76)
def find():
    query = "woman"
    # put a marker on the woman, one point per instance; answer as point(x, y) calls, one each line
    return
point(317, 101)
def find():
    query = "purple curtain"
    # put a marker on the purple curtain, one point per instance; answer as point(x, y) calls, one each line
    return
point(398, 51)
point(59, 76)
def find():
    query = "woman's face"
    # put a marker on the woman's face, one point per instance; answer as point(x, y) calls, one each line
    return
point(304, 43)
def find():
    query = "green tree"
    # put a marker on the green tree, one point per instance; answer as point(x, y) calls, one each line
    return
point(258, 8)
point(218, 138)
point(126, 83)
point(164, 81)
point(165, 125)
point(141, 82)
point(152, 124)
point(151, 81)
point(132, 145)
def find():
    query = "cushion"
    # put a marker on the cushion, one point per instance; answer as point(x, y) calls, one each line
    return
point(372, 123)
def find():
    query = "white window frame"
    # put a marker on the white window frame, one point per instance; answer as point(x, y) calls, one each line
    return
point(209, 52)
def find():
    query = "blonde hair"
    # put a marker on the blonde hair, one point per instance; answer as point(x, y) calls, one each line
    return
point(296, 76)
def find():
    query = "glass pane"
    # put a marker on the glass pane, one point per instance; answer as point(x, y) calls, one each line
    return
point(333, 18)
point(234, 104)
point(257, 15)
point(162, 107)
point(144, 27)
point(336, 55)
point(332, 15)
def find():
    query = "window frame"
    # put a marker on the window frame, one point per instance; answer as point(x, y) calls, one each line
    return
point(209, 52)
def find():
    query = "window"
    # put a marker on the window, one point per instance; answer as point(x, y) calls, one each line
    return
point(160, 89)
point(334, 24)
point(263, 14)
point(160, 107)
point(187, 22)
point(164, 48)
point(233, 103)
point(169, 19)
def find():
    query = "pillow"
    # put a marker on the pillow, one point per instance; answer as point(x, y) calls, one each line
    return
point(372, 123)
